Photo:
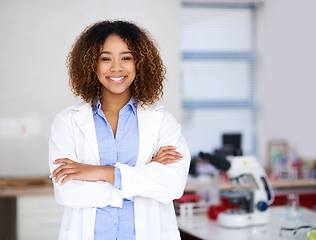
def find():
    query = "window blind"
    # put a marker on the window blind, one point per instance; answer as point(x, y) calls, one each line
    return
point(218, 73)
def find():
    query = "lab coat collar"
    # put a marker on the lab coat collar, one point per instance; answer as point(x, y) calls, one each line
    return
point(149, 120)
point(131, 104)
point(84, 118)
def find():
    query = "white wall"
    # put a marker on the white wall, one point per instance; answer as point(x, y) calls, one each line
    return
point(287, 75)
point(36, 36)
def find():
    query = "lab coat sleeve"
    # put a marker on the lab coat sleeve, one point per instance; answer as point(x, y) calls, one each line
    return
point(65, 142)
point(155, 180)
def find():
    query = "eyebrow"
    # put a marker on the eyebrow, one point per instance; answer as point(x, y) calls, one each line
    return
point(107, 52)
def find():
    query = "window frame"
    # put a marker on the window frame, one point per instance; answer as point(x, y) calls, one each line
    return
point(250, 56)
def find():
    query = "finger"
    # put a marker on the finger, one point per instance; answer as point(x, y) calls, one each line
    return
point(56, 171)
point(166, 158)
point(172, 156)
point(169, 153)
point(67, 178)
point(175, 153)
point(166, 148)
point(63, 161)
point(60, 168)
point(64, 172)
point(169, 161)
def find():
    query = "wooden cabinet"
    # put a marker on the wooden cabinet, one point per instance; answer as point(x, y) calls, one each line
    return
point(28, 210)
point(38, 217)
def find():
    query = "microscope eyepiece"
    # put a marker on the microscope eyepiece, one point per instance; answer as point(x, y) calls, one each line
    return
point(218, 162)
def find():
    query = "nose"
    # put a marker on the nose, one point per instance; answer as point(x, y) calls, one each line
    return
point(116, 66)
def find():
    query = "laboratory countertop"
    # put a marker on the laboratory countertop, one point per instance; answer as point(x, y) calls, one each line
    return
point(13, 187)
point(200, 226)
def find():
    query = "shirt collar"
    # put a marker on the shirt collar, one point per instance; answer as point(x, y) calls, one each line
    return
point(98, 107)
point(130, 103)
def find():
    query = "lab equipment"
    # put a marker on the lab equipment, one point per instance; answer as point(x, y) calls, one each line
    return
point(254, 203)
point(293, 210)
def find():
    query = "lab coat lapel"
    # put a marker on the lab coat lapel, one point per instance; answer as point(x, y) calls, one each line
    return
point(149, 121)
point(84, 119)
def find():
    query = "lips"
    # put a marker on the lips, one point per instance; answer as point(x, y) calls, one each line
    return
point(117, 79)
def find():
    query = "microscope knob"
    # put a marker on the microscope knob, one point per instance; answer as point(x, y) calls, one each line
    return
point(262, 206)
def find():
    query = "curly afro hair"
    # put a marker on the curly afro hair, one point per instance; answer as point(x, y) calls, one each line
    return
point(83, 58)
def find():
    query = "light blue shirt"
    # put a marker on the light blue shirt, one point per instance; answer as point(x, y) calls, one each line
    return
point(113, 223)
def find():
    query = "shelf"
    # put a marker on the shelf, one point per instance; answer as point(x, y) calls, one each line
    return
point(276, 184)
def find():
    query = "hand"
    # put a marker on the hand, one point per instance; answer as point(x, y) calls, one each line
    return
point(167, 155)
point(73, 170)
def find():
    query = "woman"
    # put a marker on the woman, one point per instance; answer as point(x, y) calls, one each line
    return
point(117, 159)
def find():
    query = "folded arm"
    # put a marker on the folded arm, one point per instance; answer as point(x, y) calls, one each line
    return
point(71, 170)
point(73, 185)
point(87, 184)
point(163, 182)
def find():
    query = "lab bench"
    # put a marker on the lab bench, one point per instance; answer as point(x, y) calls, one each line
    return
point(29, 211)
point(199, 226)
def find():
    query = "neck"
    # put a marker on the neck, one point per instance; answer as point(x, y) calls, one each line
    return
point(114, 102)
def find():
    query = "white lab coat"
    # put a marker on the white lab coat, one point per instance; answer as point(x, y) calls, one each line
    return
point(153, 185)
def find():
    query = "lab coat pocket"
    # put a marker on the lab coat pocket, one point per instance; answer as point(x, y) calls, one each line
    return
point(69, 227)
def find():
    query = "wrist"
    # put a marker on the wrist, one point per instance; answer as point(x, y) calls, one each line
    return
point(108, 174)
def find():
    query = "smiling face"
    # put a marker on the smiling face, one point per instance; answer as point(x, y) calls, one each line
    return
point(116, 68)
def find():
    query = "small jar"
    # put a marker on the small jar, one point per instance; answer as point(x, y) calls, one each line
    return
point(293, 210)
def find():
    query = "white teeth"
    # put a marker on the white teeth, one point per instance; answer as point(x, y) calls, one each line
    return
point(116, 79)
